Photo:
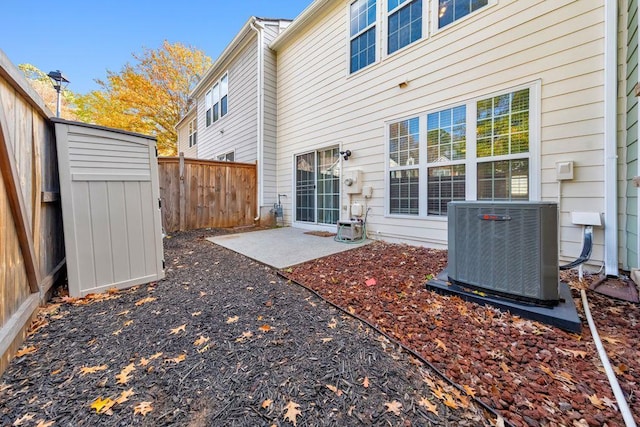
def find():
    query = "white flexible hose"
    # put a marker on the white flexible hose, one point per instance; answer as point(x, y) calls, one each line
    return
point(615, 386)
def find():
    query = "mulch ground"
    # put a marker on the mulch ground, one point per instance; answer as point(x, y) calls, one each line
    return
point(534, 374)
point(225, 341)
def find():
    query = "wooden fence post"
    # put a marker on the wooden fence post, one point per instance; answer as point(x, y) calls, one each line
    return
point(183, 200)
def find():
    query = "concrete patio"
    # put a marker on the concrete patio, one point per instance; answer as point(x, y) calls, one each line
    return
point(282, 247)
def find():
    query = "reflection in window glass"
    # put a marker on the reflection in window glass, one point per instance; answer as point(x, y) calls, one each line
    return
point(452, 10)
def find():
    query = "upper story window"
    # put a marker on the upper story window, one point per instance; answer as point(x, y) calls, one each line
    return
point(193, 132)
point(404, 23)
point(216, 100)
point(362, 18)
point(227, 157)
point(452, 10)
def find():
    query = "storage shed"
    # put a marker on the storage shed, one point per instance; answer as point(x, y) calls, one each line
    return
point(110, 207)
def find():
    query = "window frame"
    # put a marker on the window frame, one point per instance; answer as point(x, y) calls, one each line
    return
point(192, 131)
point(225, 155)
point(208, 112)
point(385, 25)
point(434, 5)
point(214, 98)
point(375, 26)
point(471, 160)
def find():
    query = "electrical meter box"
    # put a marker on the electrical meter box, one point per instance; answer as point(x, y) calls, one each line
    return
point(352, 180)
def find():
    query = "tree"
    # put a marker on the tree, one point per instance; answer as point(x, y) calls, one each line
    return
point(149, 96)
point(41, 83)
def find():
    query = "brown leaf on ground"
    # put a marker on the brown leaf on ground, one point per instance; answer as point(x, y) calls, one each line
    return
point(470, 391)
point(25, 351)
point(43, 423)
point(440, 344)
point(92, 369)
point(124, 396)
point(394, 407)
point(595, 401)
point(201, 341)
point(365, 382)
point(142, 408)
point(333, 323)
point(233, 319)
point(292, 410)
point(265, 328)
point(145, 300)
point(245, 336)
point(123, 377)
point(181, 328)
point(177, 359)
point(266, 403)
point(155, 356)
point(431, 407)
point(23, 419)
point(334, 389)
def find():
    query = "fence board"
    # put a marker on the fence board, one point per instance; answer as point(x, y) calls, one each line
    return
point(199, 193)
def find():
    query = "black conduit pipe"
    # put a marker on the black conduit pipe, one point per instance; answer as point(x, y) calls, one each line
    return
point(405, 348)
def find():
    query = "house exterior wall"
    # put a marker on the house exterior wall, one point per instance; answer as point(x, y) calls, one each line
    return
point(554, 48)
point(236, 131)
point(183, 136)
point(629, 146)
point(269, 184)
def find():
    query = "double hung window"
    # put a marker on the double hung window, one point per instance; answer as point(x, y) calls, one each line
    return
point(404, 23)
point(216, 100)
point(478, 150)
point(193, 133)
point(362, 14)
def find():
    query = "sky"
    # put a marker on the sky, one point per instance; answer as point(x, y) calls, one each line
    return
point(84, 39)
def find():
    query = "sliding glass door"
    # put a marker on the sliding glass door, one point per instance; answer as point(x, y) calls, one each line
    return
point(318, 186)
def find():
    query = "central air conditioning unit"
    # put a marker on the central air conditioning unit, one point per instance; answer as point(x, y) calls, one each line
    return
point(505, 248)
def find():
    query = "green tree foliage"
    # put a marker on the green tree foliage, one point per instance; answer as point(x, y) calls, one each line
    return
point(149, 96)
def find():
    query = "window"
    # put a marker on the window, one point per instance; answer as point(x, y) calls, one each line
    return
point(404, 23)
point(216, 100)
point(452, 10)
point(404, 164)
point(362, 18)
point(193, 133)
point(227, 157)
point(224, 92)
point(479, 150)
point(208, 104)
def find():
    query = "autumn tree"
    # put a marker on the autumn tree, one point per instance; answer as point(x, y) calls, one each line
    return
point(149, 96)
point(41, 83)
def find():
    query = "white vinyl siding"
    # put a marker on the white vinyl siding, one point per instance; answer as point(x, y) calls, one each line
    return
point(554, 46)
point(238, 130)
point(270, 195)
point(183, 130)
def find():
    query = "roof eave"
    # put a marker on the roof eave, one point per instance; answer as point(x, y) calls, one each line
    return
point(298, 23)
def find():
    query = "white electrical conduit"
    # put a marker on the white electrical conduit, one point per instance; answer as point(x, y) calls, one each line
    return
point(615, 386)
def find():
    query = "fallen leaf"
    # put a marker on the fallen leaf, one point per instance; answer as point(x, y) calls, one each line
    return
point(578, 353)
point(499, 421)
point(292, 411)
point(580, 423)
point(145, 300)
point(431, 407)
point(245, 336)
point(440, 344)
point(128, 322)
point(202, 294)
point(92, 369)
point(326, 340)
point(611, 340)
point(118, 332)
point(620, 369)
point(144, 361)
point(266, 403)
point(334, 389)
point(333, 323)
point(124, 396)
point(142, 408)
point(610, 403)
point(23, 419)
point(196, 313)
point(470, 391)
point(102, 405)
point(155, 356)
point(177, 359)
point(26, 350)
point(233, 319)
point(450, 402)
point(200, 341)
point(394, 407)
point(504, 367)
point(595, 401)
point(438, 393)
point(365, 382)
point(43, 423)
point(181, 328)
point(123, 377)
point(122, 313)
point(265, 328)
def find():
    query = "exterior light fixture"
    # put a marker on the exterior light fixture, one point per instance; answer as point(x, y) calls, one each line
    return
point(59, 82)
point(346, 154)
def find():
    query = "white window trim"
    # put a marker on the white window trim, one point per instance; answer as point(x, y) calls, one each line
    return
point(225, 154)
point(208, 105)
point(471, 160)
point(209, 98)
point(350, 38)
point(434, 16)
point(384, 44)
point(192, 129)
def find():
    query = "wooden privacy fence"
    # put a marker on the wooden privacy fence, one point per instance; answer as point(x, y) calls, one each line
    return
point(31, 237)
point(206, 193)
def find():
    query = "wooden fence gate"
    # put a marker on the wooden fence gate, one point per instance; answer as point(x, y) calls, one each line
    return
point(206, 193)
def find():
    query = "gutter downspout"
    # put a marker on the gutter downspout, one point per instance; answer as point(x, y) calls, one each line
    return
point(610, 138)
point(260, 113)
